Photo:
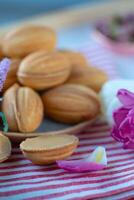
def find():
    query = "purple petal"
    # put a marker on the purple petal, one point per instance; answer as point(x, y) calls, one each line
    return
point(126, 98)
point(80, 165)
point(4, 67)
point(119, 115)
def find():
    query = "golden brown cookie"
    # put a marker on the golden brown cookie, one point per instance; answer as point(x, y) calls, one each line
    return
point(41, 70)
point(89, 76)
point(12, 74)
point(5, 148)
point(47, 149)
point(23, 40)
point(23, 109)
point(77, 59)
point(71, 103)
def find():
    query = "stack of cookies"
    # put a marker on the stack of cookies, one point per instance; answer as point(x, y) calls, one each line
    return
point(45, 81)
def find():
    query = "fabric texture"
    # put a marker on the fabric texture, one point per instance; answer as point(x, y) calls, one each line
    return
point(20, 179)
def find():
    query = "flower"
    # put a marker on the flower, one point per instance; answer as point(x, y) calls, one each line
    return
point(4, 67)
point(96, 161)
point(123, 129)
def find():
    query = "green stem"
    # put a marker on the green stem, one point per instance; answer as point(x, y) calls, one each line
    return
point(5, 124)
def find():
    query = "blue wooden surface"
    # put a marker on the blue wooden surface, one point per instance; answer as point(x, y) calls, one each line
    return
point(12, 10)
point(73, 37)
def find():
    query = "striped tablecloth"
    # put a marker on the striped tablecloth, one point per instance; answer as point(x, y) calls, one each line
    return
point(20, 179)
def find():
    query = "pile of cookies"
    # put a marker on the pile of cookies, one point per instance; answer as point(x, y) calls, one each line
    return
point(44, 81)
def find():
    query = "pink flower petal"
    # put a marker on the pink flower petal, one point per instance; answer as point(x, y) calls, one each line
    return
point(126, 98)
point(129, 145)
point(119, 115)
point(131, 116)
point(96, 161)
point(79, 165)
point(123, 129)
point(127, 128)
point(116, 134)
